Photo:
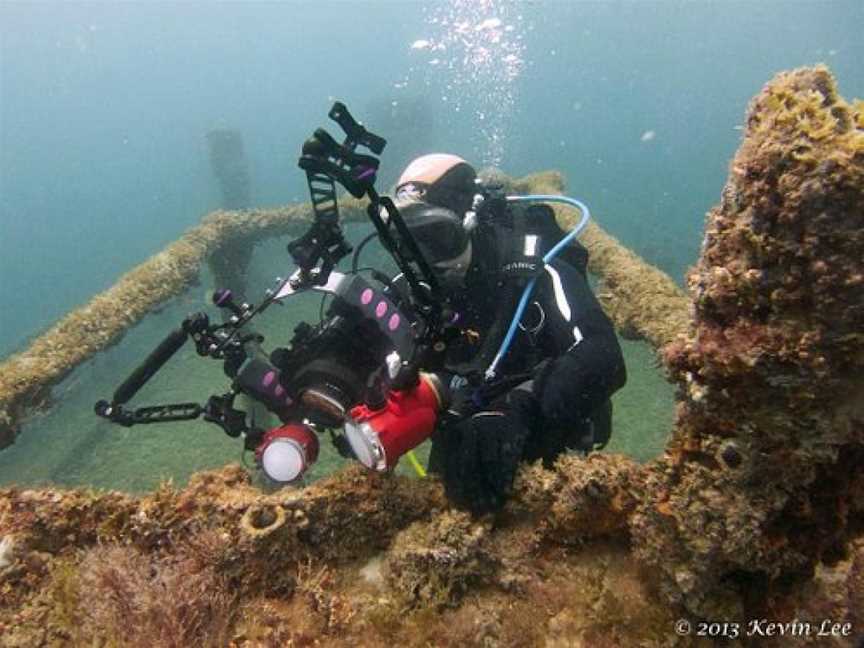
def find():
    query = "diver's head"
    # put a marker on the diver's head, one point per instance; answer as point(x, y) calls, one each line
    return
point(439, 179)
point(433, 194)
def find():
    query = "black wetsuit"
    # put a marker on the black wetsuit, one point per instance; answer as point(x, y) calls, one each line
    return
point(563, 365)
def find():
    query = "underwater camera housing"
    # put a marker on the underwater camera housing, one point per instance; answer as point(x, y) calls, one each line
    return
point(327, 366)
point(367, 351)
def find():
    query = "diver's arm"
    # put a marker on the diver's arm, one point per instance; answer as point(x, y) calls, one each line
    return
point(585, 365)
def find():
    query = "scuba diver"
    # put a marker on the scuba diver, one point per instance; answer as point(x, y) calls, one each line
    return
point(564, 362)
point(489, 340)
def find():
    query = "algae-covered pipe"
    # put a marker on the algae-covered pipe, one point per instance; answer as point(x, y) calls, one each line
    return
point(27, 377)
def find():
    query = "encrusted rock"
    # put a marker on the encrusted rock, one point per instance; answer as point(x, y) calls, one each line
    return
point(761, 477)
point(435, 562)
point(581, 498)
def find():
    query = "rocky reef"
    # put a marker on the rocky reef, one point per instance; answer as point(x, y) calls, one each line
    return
point(753, 513)
point(762, 478)
point(355, 559)
point(70, 548)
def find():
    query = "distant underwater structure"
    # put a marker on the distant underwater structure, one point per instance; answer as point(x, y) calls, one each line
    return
point(755, 510)
point(228, 160)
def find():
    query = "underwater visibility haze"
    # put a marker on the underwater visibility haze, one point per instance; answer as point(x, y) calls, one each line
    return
point(107, 119)
point(150, 171)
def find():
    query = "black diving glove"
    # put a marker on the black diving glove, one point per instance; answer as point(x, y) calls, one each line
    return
point(569, 388)
point(478, 456)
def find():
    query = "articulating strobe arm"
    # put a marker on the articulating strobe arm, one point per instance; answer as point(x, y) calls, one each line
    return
point(196, 326)
point(166, 349)
point(219, 410)
point(327, 162)
point(153, 363)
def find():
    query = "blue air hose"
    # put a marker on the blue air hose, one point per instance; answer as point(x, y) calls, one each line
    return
point(526, 294)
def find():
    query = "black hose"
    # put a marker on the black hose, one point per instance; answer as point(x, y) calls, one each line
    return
point(355, 260)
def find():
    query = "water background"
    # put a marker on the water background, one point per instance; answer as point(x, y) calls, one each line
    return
point(103, 160)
